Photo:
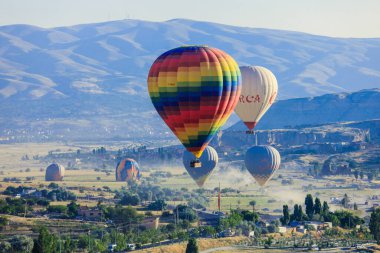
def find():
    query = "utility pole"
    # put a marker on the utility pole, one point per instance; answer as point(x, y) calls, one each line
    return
point(219, 198)
point(60, 241)
point(89, 241)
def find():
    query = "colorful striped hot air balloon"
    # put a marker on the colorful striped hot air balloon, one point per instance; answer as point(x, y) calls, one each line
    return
point(208, 159)
point(262, 162)
point(259, 90)
point(194, 89)
point(127, 169)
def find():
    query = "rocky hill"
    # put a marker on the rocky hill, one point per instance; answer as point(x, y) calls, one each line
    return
point(302, 112)
point(329, 138)
point(88, 81)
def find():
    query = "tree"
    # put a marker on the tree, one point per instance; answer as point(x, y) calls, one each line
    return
point(46, 242)
point(124, 215)
point(370, 177)
point(3, 222)
point(317, 206)
point(5, 247)
point(57, 209)
point(53, 186)
point(347, 219)
point(186, 213)
point(352, 164)
point(355, 206)
point(300, 213)
point(129, 199)
point(22, 243)
point(285, 219)
point(374, 225)
point(361, 174)
point(192, 246)
point(345, 201)
point(72, 209)
point(325, 208)
point(309, 203)
point(157, 205)
point(356, 174)
point(250, 216)
point(297, 213)
point(253, 204)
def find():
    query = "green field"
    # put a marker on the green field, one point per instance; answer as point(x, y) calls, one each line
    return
point(272, 196)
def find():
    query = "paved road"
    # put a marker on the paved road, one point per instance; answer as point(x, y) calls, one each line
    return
point(232, 248)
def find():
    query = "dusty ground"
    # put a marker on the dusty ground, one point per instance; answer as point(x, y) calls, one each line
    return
point(272, 196)
point(203, 244)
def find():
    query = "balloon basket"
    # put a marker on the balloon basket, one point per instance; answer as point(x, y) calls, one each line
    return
point(249, 132)
point(195, 164)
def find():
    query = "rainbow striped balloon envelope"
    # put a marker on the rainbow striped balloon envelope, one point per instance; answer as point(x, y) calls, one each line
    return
point(194, 89)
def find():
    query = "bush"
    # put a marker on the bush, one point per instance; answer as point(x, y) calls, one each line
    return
point(272, 229)
point(53, 186)
point(192, 246)
point(129, 199)
point(157, 205)
point(57, 209)
point(186, 213)
point(22, 243)
point(5, 247)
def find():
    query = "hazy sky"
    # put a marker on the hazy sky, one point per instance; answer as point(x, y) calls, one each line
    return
point(340, 18)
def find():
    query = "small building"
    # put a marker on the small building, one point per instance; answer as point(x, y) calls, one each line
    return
point(209, 218)
point(282, 229)
point(294, 224)
point(262, 224)
point(33, 192)
point(150, 222)
point(227, 233)
point(301, 229)
point(249, 233)
point(336, 201)
point(88, 213)
point(327, 224)
point(317, 225)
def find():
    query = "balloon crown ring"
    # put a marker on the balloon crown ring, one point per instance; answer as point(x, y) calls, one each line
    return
point(194, 46)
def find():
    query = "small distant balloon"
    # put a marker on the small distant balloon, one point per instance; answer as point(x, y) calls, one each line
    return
point(259, 91)
point(208, 159)
point(262, 162)
point(54, 172)
point(127, 170)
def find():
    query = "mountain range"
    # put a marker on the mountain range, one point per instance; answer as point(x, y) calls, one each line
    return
point(89, 81)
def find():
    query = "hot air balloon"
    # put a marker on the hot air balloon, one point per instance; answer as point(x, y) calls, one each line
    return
point(259, 90)
point(208, 159)
point(194, 89)
point(54, 172)
point(127, 169)
point(262, 162)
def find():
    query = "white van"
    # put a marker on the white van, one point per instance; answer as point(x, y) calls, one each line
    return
point(131, 246)
point(111, 247)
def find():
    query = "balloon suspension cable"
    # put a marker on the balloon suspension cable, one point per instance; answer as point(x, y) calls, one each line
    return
point(195, 163)
point(262, 190)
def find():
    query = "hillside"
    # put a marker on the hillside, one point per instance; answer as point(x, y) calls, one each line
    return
point(341, 107)
point(89, 81)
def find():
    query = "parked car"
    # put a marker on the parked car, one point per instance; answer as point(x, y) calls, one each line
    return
point(111, 247)
point(131, 246)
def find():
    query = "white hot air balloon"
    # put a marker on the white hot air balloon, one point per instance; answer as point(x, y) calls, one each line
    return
point(259, 90)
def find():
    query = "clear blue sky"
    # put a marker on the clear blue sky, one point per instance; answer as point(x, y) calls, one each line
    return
point(339, 18)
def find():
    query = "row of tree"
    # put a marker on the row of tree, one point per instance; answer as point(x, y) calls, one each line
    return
point(315, 211)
